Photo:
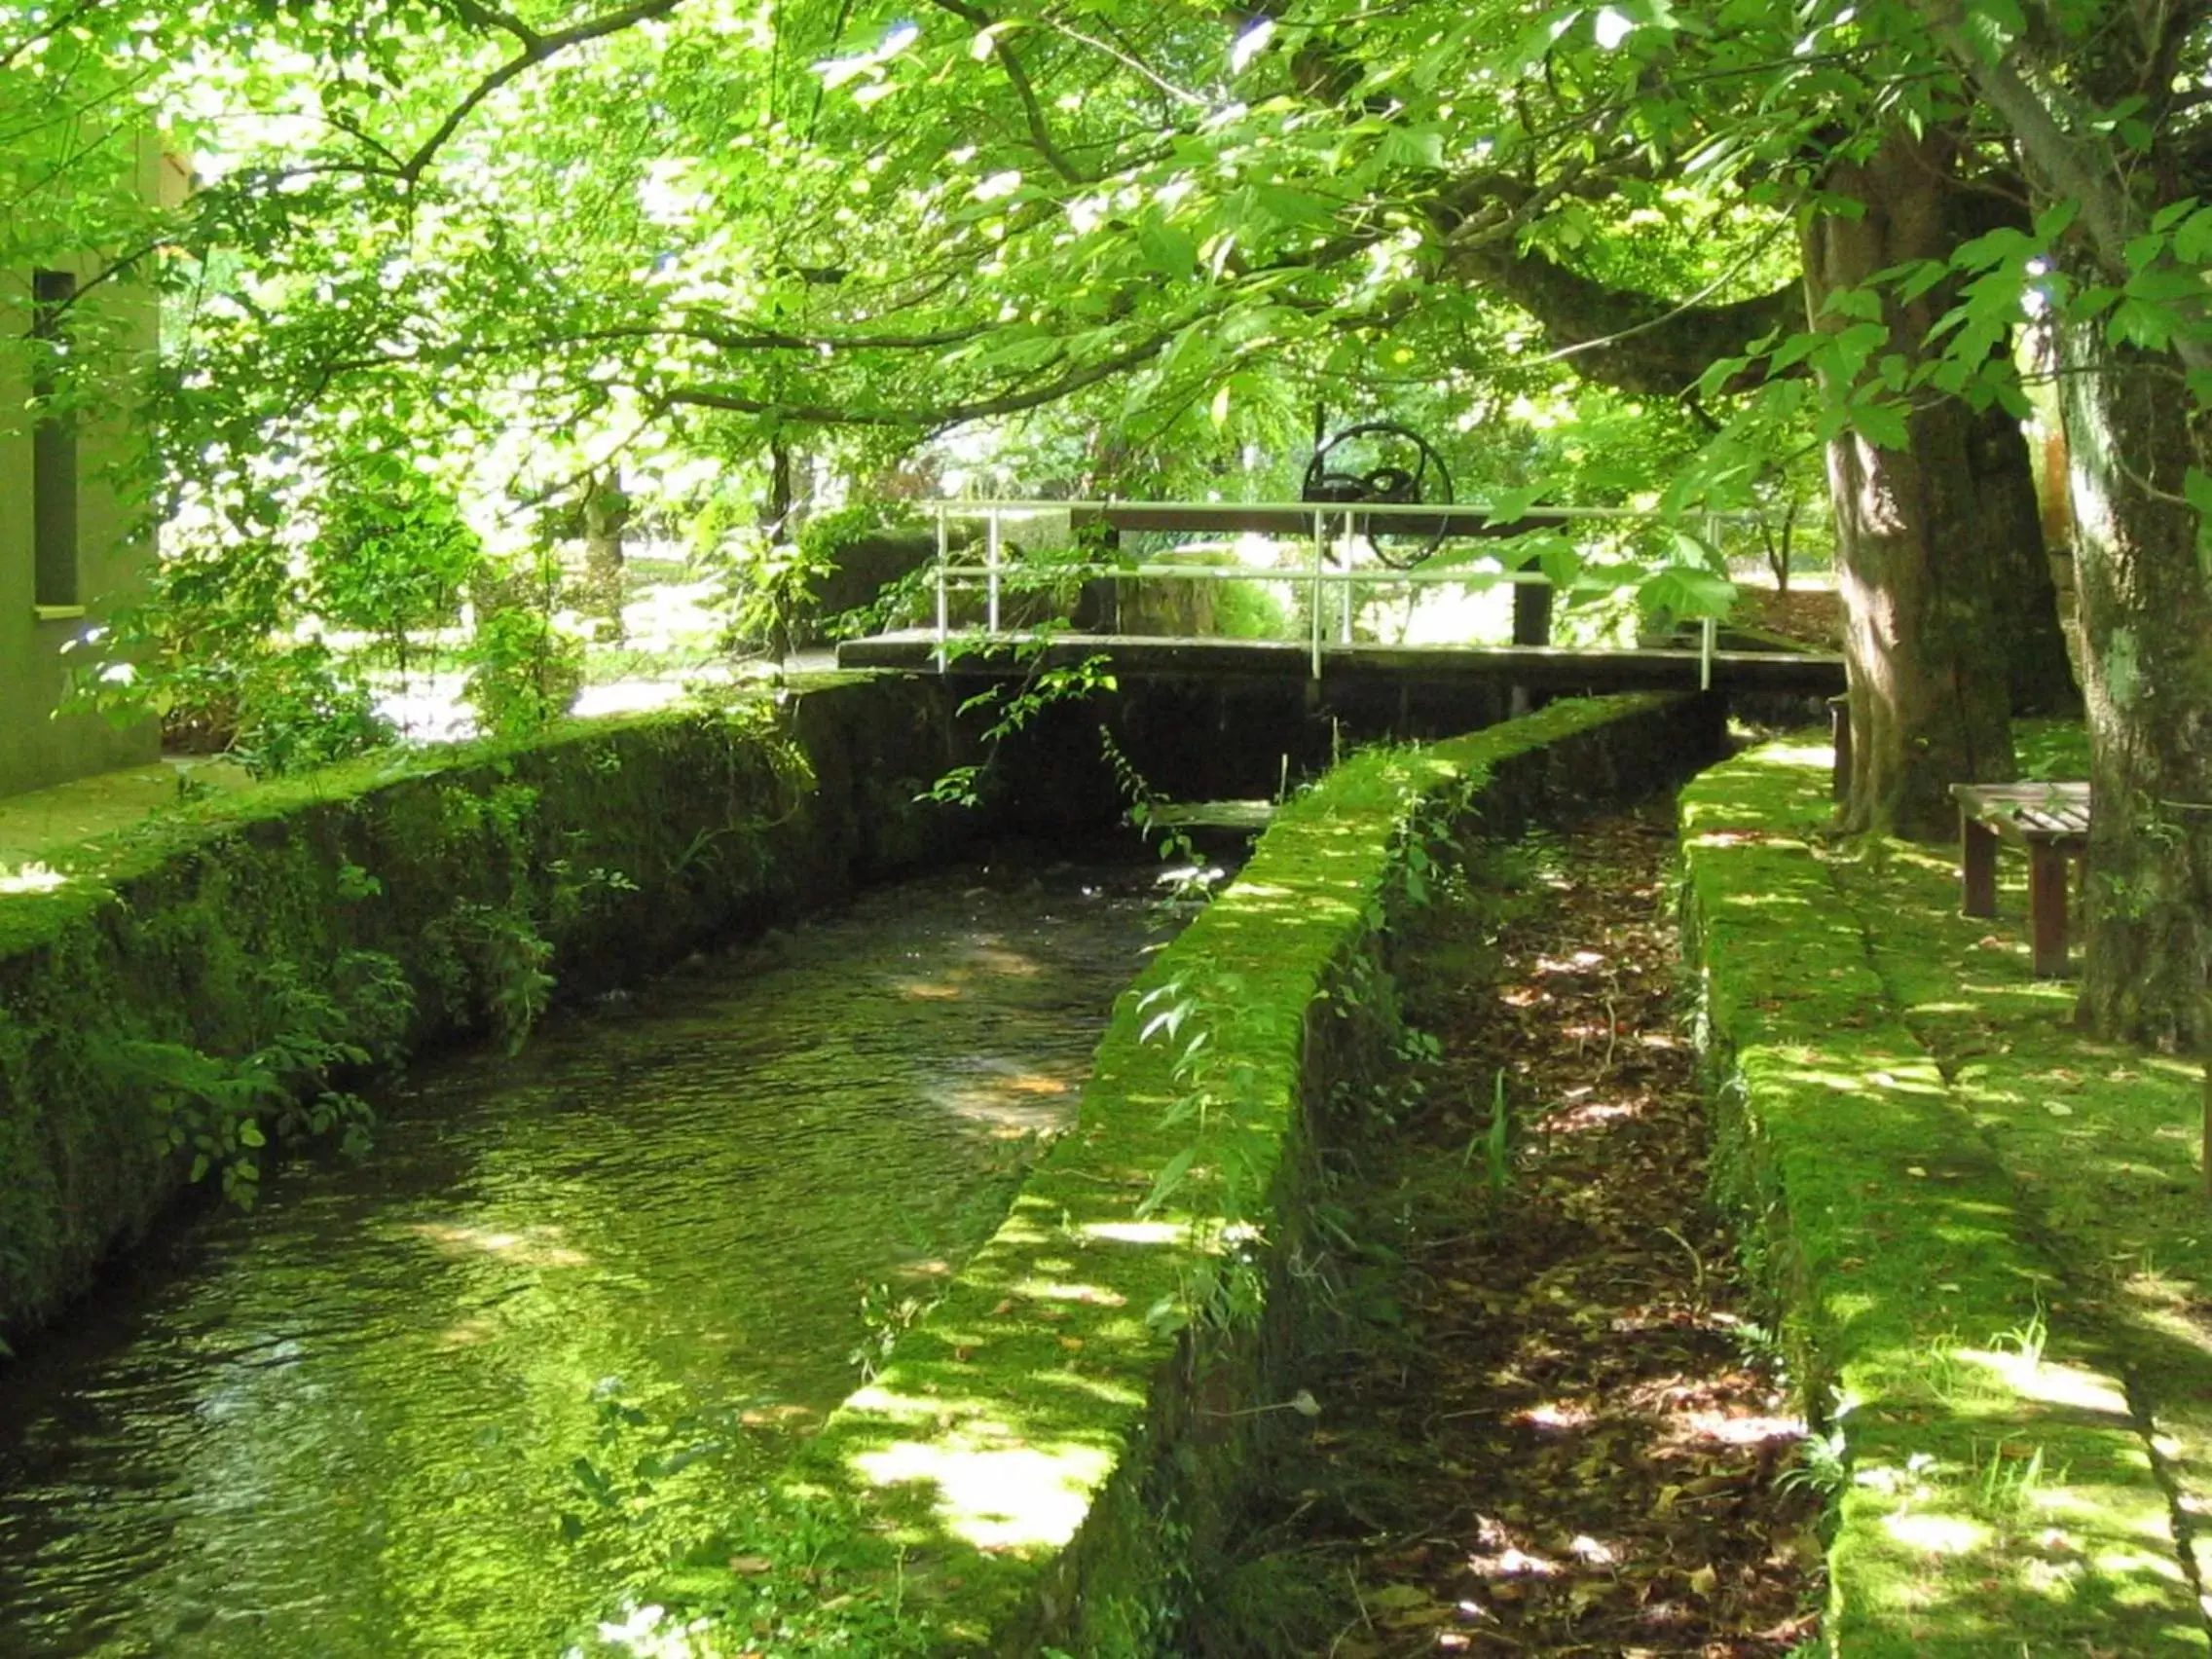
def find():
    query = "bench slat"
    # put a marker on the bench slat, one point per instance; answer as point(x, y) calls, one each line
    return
point(2029, 811)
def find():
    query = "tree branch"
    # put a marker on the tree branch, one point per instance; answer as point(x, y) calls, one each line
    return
point(1127, 61)
point(537, 49)
point(1039, 135)
point(939, 417)
point(1628, 340)
point(45, 29)
point(707, 333)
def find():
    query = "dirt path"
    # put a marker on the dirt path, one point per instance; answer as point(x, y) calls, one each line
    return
point(1550, 1429)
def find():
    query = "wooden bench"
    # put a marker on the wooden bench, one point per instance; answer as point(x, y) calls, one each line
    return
point(2051, 820)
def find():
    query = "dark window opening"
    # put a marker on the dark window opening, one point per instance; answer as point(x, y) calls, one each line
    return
point(54, 445)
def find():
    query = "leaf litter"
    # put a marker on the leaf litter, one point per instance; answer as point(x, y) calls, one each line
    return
point(1549, 1423)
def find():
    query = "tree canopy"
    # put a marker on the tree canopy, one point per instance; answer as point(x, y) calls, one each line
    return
point(447, 248)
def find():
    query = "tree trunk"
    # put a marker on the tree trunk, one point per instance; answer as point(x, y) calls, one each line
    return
point(1939, 558)
point(776, 510)
point(2144, 591)
point(605, 515)
point(1951, 612)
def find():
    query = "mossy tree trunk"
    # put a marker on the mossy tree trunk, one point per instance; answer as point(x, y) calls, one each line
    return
point(1951, 618)
point(2145, 609)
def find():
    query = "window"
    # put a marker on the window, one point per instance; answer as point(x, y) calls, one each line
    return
point(54, 447)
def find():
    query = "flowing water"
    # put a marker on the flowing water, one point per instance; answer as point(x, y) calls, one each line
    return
point(401, 1409)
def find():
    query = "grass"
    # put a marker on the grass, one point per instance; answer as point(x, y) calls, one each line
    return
point(1983, 1229)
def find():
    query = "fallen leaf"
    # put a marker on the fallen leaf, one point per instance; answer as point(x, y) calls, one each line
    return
point(1396, 1598)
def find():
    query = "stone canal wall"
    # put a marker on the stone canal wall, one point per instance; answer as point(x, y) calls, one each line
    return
point(170, 995)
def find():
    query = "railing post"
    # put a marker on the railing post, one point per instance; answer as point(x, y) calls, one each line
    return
point(991, 567)
point(1707, 627)
point(943, 605)
point(1315, 607)
point(1344, 610)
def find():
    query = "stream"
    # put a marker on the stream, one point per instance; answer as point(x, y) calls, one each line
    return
point(380, 1414)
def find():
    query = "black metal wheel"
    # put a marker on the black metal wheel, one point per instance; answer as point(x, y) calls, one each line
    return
point(1382, 462)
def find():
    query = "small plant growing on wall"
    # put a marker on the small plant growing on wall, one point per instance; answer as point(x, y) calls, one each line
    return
point(222, 1112)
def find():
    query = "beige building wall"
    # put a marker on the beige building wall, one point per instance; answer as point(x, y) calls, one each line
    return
point(115, 541)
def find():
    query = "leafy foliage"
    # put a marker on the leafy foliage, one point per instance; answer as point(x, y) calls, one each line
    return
point(223, 1112)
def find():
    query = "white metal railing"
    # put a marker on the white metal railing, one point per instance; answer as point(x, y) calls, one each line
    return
point(1317, 578)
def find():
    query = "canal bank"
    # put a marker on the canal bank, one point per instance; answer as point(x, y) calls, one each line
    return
point(219, 974)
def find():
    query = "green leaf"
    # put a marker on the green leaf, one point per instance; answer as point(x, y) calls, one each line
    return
point(2166, 283)
point(1995, 247)
point(1295, 207)
point(2054, 221)
point(2136, 323)
point(1865, 304)
point(1882, 425)
point(1687, 590)
point(1413, 147)
point(1167, 1181)
point(2172, 213)
point(1995, 24)
point(2193, 240)
point(2142, 250)
point(1167, 248)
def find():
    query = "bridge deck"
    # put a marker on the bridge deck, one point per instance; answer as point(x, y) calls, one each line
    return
point(1550, 668)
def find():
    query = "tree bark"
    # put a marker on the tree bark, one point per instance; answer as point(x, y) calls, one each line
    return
point(1940, 555)
point(2145, 607)
point(1953, 620)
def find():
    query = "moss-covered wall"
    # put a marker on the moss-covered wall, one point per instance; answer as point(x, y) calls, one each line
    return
point(1994, 1489)
point(210, 946)
point(1053, 1450)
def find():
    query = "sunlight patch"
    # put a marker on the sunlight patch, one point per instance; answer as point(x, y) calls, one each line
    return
point(532, 1246)
point(1140, 1231)
point(2036, 1379)
point(994, 1493)
point(1937, 1534)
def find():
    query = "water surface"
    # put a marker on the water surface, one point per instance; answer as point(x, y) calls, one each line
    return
point(402, 1409)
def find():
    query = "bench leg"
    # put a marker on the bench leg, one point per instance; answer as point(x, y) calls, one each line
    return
point(1977, 868)
point(2046, 907)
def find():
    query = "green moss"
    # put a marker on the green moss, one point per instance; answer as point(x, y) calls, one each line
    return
point(1052, 1449)
point(2001, 1488)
